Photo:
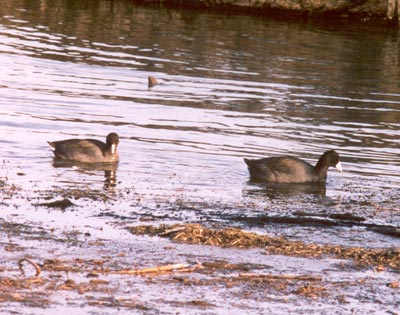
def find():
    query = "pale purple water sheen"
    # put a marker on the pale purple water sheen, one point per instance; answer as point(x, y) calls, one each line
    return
point(230, 87)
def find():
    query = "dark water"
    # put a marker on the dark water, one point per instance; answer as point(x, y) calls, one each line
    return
point(230, 87)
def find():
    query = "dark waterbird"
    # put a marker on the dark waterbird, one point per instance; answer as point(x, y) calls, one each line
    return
point(286, 169)
point(87, 150)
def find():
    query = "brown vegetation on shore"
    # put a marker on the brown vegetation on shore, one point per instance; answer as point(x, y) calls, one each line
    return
point(197, 234)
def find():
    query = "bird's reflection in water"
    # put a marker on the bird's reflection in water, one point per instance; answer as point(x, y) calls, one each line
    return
point(274, 191)
point(110, 170)
point(111, 179)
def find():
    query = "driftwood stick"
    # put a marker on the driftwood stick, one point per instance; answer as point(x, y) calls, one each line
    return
point(35, 265)
point(286, 277)
point(172, 231)
point(160, 269)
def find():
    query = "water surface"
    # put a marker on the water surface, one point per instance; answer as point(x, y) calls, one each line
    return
point(230, 87)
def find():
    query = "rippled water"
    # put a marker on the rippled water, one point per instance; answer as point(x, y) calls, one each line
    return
point(230, 87)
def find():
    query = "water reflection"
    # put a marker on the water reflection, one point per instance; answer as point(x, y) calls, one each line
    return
point(279, 191)
point(110, 170)
point(232, 87)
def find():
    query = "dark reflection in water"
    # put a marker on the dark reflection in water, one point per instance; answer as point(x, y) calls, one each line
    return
point(278, 191)
point(110, 170)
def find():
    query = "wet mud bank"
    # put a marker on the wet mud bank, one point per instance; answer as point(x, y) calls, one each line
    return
point(205, 269)
point(366, 11)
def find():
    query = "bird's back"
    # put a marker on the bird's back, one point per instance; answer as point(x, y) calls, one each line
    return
point(80, 150)
point(283, 169)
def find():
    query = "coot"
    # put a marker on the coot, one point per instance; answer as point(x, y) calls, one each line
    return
point(87, 150)
point(286, 169)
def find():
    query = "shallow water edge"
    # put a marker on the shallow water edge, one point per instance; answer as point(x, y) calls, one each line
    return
point(127, 264)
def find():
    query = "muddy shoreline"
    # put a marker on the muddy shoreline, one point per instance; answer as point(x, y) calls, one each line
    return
point(206, 270)
point(369, 12)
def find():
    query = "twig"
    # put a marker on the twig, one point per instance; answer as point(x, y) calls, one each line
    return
point(286, 277)
point(172, 231)
point(160, 269)
point(38, 269)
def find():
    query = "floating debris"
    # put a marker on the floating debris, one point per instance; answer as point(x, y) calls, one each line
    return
point(391, 231)
point(152, 81)
point(35, 265)
point(62, 204)
point(161, 269)
point(231, 237)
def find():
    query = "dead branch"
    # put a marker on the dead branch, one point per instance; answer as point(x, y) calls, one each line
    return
point(35, 265)
point(172, 231)
point(285, 277)
point(160, 269)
